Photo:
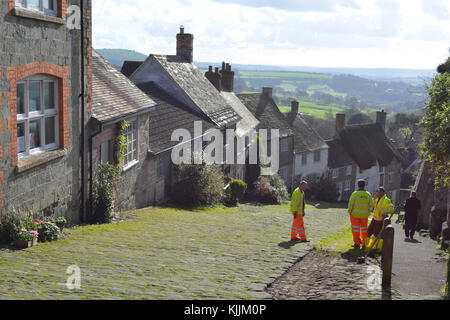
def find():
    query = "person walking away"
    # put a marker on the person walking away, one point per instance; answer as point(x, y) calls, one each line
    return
point(382, 207)
point(297, 208)
point(412, 206)
point(360, 206)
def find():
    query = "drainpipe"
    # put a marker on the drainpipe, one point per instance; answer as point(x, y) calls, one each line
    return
point(83, 152)
point(91, 165)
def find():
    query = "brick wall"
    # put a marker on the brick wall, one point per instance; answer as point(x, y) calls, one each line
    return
point(15, 74)
point(28, 46)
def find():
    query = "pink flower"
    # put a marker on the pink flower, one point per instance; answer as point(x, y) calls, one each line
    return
point(34, 234)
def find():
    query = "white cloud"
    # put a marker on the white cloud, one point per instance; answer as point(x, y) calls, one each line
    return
point(342, 33)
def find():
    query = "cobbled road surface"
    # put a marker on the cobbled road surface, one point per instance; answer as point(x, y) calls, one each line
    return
point(166, 253)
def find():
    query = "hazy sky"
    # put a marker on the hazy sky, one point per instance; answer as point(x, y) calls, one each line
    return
point(323, 33)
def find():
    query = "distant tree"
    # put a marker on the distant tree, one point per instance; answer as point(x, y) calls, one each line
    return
point(405, 130)
point(436, 146)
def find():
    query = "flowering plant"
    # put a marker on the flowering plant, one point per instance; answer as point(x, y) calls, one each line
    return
point(33, 234)
point(24, 235)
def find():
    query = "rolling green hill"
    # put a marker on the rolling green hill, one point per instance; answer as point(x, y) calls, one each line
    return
point(318, 92)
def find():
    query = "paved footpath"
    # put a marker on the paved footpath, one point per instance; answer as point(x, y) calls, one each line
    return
point(164, 253)
point(418, 272)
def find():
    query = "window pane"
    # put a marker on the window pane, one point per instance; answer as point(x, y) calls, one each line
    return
point(33, 4)
point(49, 95)
point(35, 134)
point(34, 93)
point(21, 137)
point(48, 4)
point(20, 98)
point(50, 130)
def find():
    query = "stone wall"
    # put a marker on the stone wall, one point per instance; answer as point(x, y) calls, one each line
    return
point(32, 43)
point(135, 188)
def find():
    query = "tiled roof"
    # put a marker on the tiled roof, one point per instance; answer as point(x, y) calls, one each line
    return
point(129, 67)
point(306, 138)
point(199, 90)
point(248, 121)
point(113, 95)
point(266, 111)
point(168, 115)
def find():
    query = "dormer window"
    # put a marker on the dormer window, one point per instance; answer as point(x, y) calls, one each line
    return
point(48, 7)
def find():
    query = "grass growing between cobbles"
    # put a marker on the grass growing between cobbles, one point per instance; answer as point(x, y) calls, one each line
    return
point(165, 253)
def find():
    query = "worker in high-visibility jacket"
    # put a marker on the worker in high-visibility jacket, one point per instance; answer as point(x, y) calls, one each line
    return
point(382, 207)
point(297, 208)
point(360, 206)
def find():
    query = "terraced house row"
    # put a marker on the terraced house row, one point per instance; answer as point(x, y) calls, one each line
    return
point(62, 104)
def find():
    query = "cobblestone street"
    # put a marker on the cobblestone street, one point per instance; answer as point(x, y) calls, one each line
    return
point(330, 276)
point(165, 253)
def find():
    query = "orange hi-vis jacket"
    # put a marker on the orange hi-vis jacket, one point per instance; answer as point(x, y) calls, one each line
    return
point(298, 202)
point(383, 206)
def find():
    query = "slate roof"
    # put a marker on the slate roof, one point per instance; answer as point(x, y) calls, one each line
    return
point(129, 67)
point(168, 115)
point(199, 90)
point(114, 97)
point(366, 144)
point(266, 111)
point(248, 121)
point(306, 138)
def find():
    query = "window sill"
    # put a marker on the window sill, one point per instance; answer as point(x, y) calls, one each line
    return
point(130, 165)
point(38, 159)
point(36, 15)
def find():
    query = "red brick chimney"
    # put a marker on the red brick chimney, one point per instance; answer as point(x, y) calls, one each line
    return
point(227, 77)
point(214, 77)
point(185, 45)
point(340, 121)
point(381, 118)
point(294, 106)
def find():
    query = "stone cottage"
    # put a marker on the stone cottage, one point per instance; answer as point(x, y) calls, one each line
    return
point(45, 67)
point(374, 158)
point(310, 150)
point(264, 108)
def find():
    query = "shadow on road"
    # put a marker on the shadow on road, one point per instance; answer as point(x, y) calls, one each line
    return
point(412, 240)
point(386, 294)
point(288, 244)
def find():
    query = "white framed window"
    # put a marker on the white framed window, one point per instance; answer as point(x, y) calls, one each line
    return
point(382, 179)
point(283, 173)
point(317, 156)
point(284, 145)
point(48, 7)
point(348, 170)
point(335, 173)
point(105, 151)
point(347, 185)
point(304, 159)
point(37, 115)
point(390, 177)
point(131, 154)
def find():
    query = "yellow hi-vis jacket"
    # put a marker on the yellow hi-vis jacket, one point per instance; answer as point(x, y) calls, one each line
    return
point(382, 206)
point(360, 204)
point(298, 202)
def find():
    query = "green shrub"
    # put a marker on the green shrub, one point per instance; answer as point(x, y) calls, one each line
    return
point(323, 189)
point(10, 226)
point(261, 191)
point(197, 185)
point(104, 203)
point(235, 192)
point(278, 184)
point(47, 232)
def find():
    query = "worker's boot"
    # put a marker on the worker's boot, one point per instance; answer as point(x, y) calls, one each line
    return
point(356, 246)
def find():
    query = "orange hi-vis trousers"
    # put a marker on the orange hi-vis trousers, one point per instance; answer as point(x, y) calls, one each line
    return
point(298, 228)
point(359, 230)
